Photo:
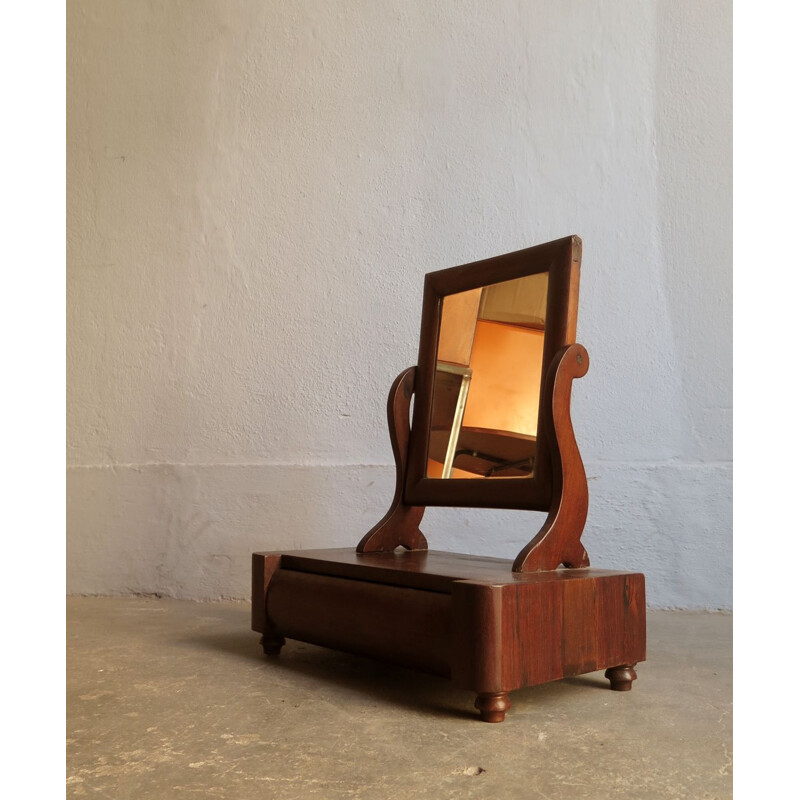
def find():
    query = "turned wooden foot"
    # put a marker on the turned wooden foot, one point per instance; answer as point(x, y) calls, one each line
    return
point(272, 645)
point(621, 677)
point(493, 707)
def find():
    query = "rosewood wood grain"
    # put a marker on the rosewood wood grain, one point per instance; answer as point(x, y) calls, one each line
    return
point(400, 526)
point(532, 632)
point(559, 540)
point(490, 633)
point(391, 623)
point(477, 643)
point(431, 570)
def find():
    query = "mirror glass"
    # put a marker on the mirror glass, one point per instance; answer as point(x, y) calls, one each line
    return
point(487, 382)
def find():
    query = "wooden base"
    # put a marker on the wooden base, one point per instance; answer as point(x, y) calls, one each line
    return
point(467, 618)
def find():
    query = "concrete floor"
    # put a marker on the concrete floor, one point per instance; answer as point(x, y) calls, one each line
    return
point(173, 699)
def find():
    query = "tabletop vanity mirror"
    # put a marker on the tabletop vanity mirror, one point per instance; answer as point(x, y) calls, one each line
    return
point(491, 428)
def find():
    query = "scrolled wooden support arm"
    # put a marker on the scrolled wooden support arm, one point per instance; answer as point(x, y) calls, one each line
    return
point(559, 540)
point(400, 526)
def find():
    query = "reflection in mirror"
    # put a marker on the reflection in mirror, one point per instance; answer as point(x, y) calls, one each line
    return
point(488, 375)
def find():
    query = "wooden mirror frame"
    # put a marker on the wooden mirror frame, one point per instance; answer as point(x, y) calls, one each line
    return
point(561, 260)
point(558, 482)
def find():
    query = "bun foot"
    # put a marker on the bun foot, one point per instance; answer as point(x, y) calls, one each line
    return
point(493, 707)
point(272, 645)
point(621, 677)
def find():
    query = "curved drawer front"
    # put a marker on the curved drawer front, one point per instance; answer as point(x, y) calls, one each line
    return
point(392, 623)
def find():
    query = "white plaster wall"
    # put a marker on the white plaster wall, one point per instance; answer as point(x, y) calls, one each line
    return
point(255, 193)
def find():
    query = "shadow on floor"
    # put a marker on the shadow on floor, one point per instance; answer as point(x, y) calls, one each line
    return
point(384, 683)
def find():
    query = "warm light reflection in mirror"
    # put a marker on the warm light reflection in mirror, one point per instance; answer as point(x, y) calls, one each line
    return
point(488, 376)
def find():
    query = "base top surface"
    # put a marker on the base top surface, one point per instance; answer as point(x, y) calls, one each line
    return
point(433, 570)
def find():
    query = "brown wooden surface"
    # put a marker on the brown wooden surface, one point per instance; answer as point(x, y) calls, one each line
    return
point(392, 623)
point(535, 632)
point(400, 525)
point(559, 540)
point(554, 631)
point(491, 633)
point(264, 567)
point(432, 570)
point(561, 259)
